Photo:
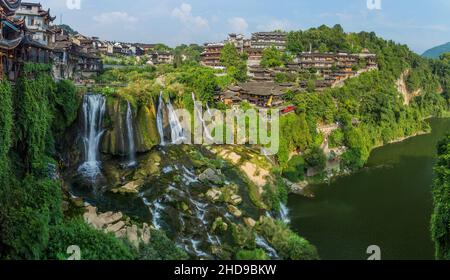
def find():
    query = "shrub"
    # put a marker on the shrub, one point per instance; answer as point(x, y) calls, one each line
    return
point(94, 244)
point(255, 255)
point(289, 245)
point(295, 171)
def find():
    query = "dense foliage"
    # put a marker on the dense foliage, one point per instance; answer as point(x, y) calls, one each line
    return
point(440, 225)
point(234, 62)
point(288, 244)
point(32, 223)
point(369, 108)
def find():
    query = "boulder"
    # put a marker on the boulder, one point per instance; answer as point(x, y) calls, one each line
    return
point(234, 211)
point(132, 235)
point(249, 222)
point(235, 200)
point(212, 176)
point(214, 195)
point(145, 233)
point(115, 227)
point(130, 188)
point(110, 218)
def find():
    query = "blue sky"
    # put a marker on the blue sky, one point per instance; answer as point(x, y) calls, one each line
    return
point(420, 24)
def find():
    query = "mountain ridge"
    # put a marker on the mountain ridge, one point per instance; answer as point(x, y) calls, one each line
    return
point(437, 51)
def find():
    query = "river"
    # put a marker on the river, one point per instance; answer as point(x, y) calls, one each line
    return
point(388, 204)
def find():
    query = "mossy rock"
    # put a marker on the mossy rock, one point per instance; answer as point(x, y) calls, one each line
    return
point(146, 131)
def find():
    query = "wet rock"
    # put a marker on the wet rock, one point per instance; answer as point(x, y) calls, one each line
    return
point(235, 200)
point(130, 188)
point(212, 176)
point(149, 165)
point(234, 211)
point(249, 222)
point(300, 188)
point(214, 195)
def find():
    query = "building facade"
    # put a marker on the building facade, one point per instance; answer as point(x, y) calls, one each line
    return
point(37, 20)
point(264, 40)
point(211, 55)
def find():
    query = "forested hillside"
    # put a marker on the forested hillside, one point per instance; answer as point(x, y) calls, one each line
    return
point(440, 227)
point(369, 109)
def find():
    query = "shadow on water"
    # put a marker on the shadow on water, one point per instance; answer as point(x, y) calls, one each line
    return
point(388, 204)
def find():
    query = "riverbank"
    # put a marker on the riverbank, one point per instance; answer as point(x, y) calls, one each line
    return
point(388, 204)
point(304, 188)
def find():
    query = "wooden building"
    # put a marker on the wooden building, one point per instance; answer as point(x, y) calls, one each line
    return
point(211, 55)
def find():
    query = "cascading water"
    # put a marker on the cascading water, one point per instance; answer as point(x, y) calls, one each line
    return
point(262, 243)
point(159, 120)
point(130, 135)
point(198, 111)
point(176, 129)
point(94, 107)
point(284, 214)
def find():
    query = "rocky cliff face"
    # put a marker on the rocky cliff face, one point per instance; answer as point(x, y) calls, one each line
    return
point(145, 128)
point(144, 121)
point(403, 89)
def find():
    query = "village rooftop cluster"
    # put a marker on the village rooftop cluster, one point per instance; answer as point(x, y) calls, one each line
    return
point(28, 35)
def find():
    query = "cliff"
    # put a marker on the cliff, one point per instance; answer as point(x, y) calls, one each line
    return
point(115, 138)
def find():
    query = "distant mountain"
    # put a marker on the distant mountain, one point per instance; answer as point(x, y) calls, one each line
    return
point(437, 51)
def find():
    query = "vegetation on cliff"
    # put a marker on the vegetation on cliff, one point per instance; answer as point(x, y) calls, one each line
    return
point(440, 224)
point(369, 109)
point(32, 222)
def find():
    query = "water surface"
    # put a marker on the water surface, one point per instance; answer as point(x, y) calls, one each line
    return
point(388, 204)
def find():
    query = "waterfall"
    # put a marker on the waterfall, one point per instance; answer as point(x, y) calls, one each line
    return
point(130, 136)
point(94, 107)
point(198, 111)
point(177, 131)
point(284, 214)
point(262, 243)
point(159, 120)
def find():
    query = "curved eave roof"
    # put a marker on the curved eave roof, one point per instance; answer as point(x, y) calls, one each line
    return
point(10, 44)
point(10, 6)
point(28, 41)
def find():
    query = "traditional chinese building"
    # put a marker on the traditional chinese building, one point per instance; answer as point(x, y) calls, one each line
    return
point(17, 45)
point(261, 94)
point(264, 40)
point(11, 36)
point(211, 55)
point(162, 57)
point(37, 21)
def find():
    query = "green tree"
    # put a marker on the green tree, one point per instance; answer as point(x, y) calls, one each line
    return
point(440, 222)
point(235, 63)
point(272, 57)
point(255, 255)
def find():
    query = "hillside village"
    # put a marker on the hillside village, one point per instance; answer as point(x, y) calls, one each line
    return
point(28, 34)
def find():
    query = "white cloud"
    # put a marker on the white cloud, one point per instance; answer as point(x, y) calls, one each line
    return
point(115, 17)
point(238, 25)
point(185, 16)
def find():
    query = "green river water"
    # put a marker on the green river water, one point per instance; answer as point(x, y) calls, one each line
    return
point(388, 204)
